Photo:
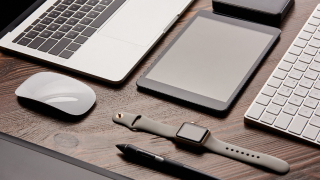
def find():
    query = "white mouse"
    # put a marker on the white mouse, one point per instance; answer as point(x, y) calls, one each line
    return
point(59, 91)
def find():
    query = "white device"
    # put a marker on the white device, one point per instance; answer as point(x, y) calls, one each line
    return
point(289, 101)
point(104, 39)
point(59, 91)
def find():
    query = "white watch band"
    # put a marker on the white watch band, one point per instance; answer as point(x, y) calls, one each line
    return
point(141, 122)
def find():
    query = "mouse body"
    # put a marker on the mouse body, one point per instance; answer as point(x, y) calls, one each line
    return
point(62, 92)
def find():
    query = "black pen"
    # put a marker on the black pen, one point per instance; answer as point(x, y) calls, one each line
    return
point(132, 150)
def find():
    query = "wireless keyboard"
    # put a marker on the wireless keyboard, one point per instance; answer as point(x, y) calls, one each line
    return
point(289, 100)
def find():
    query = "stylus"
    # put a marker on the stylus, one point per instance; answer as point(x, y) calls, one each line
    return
point(132, 150)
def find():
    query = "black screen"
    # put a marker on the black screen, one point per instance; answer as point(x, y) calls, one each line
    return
point(11, 9)
point(192, 132)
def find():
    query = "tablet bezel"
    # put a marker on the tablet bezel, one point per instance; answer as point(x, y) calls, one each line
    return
point(198, 99)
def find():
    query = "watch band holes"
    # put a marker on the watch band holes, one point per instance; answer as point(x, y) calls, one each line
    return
point(258, 157)
point(242, 152)
point(227, 148)
point(247, 154)
point(136, 120)
point(231, 149)
point(237, 151)
point(252, 155)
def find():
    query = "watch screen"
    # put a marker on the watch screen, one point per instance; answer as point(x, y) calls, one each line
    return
point(192, 132)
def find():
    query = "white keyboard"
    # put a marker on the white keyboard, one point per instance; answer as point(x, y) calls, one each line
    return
point(289, 100)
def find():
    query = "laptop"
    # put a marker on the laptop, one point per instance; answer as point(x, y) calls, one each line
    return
point(104, 39)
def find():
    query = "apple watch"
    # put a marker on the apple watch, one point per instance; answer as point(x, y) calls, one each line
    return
point(195, 135)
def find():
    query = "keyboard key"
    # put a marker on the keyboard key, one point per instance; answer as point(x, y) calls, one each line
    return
point(50, 9)
point(315, 66)
point(290, 109)
point(61, 45)
point(317, 58)
point(24, 41)
point(274, 109)
point(88, 31)
point(316, 14)
point(301, 66)
point(86, 8)
point(79, 28)
point(307, 83)
point(57, 2)
point(53, 27)
point(315, 94)
point(58, 35)
point(72, 34)
point(280, 74)
point(46, 21)
point(73, 47)
point(93, 14)
point(285, 66)
point(296, 74)
point(310, 28)
point(39, 27)
point(268, 118)
point(289, 82)
point(255, 111)
point(317, 85)
point(315, 120)
point(311, 74)
point(36, 43)
point(99, 8)
point(66, 54)
point(67, 2)
point(43, 15)
point(80, 39)
point(315, 43)
point(283, 121)
point(46, 34)
point(311, 50)
point(28, 29)
point(311, 132)
point(86, 21)
point(60, 20)
point(92, 2)
point(35, 22)
point(65, 28)
point(306, 112)
point(306, 58)
point(74, 7)
point(296, 100)
point(311, 103)
point(295, 50)
point(264, 100)
point(305, 35)
point(79, 15)
point(274, 82)
point(32, 34)
point(314, 21)
point(67, 14)
point(45, 47)
point(291, 58)
point(317, 35)
point(106, 2)
point(269, 91)
point(106, 13)
point(19, 37)
point(54, 14)
point(72, 21)
point(61, 8)
point(81, 2)
point(301, 43)
point(280, 100)
point(301, 91)
point(298, 125)
point(285, 91)
point(317, 112)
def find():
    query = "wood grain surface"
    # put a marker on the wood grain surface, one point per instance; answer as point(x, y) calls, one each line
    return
point(92, 137)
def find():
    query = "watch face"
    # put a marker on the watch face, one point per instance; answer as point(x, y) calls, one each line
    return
point(192, 132)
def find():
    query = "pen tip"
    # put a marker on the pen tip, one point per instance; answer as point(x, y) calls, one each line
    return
point(121, 147)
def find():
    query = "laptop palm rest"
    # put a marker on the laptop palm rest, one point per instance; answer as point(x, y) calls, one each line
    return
point(141, 26)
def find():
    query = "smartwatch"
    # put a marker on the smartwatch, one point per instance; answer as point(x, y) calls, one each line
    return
point(192, 134)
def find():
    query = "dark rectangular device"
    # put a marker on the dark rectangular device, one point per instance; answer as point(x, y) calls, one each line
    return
point(23, 160)
point(210, 60)
point(269, 12)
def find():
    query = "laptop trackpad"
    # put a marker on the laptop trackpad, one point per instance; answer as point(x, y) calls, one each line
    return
point(140, 21)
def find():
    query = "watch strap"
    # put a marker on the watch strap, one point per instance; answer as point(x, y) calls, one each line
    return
point(246, 155)
point(141, 122)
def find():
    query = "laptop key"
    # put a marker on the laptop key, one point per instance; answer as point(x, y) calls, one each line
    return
point(45, 47)
point(18, 37)
point(56, 3)
point(86, 21)
point(81, 1)
point(60, 20)
point(32, 34)
point(99, 8)
point(24, 41)
point(72, 21)
point(61, 45)
point(107, 13)
point(93, 14)
point(106, 2)
point(35, 22)
point(36, 43)
point(54, 14)
point(46, 34)
point(86, 8)
point(53, 27)
point(46, 21)
point(80, 39)
point(65, 28)
point(79, 15)
point(88, 32)
point(72, 34)
point(28, 29)
point(73, 47)
point(74, 7)
point(67, 14)
point(79, 28)
point(298, 125)
point(92, 2)
point(50, 9)
point(43, 15)
point(61, 8)
point(58, 35)
point(67, 2)
point(66, 54)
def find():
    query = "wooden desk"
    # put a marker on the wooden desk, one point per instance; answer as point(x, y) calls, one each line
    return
point(92, 138)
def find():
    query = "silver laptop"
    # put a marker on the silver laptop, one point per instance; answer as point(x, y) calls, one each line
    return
point(104, 39)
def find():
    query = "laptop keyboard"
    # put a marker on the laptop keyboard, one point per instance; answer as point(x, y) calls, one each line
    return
point(289, 101)
point(67, 25)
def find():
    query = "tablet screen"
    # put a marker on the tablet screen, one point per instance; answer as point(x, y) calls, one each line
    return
point(210, 58)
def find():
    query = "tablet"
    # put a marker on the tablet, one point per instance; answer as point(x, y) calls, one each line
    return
point(23, 160)
point(210, 60)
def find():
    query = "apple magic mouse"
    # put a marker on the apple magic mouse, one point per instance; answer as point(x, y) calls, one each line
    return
point(62, 92)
